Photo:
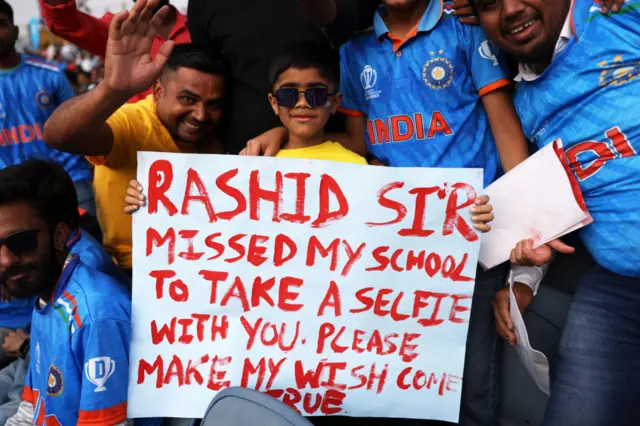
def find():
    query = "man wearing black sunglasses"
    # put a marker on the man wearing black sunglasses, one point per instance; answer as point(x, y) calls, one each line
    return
point(81, 322)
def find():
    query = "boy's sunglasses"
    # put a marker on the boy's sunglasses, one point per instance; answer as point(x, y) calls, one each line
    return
point(22, 242)
point(316, 96)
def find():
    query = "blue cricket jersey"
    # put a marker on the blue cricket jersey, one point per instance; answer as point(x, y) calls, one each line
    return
point(94, 255)
point(28, 95)
point(589, 97)
point(79, 368)
point(422, 96)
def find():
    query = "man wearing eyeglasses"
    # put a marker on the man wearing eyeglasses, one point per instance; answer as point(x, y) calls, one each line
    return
point(81, 320)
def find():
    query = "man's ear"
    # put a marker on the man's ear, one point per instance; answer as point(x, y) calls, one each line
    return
point(274, 104)
point(158, 91)
point(61, 236)
point(335, 102)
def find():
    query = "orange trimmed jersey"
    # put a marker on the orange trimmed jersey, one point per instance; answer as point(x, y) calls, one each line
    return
point(421, 96)
point(78, 372)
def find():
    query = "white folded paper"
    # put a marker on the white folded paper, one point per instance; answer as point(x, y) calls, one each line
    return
point(534, 361)
point(539, 199)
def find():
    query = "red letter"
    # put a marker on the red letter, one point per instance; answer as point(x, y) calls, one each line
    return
point(331, 299)
point(238, 291)
point(256, 194)
point(144, 368)
point(189, 254)
point(301, 191)
point(160, 276)
point(438, 124)
point(286, 296)
point(168, 331)
point(400, 209)
point(395, 126)
point(418, 219)
point(153, 237)
point(327, 185)
point(453, 219)
point(260, 290)
point(382, 130)
point(316, 245)
point(193, 178)
point(281, 241)
point(458, 309)
point(160, 178)
point(223, 185)
point(215, 278)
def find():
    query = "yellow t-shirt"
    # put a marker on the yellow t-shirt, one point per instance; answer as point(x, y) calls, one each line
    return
point(331, 151)
point(136, 127)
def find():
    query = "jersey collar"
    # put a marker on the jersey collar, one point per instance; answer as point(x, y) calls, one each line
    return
point(179, 26)
point(428, 21)
point(70, 265)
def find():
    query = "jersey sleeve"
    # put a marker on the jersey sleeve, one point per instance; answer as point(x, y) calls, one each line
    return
point(485, 60)
point(353, 102)
point(64, 91)
point(126, 125)
point(101, 348)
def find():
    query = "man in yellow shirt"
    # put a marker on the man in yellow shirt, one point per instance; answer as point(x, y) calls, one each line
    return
point(180, 116)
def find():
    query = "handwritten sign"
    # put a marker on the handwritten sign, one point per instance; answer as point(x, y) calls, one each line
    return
point(340, 289)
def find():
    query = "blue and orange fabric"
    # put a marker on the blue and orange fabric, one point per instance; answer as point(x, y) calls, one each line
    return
point(28, 95)
point(589, 98)
point(78, 373)
point(421, 94)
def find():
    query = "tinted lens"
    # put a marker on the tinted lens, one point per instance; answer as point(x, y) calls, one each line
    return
point(317, 96)
point(287, 97)
point(22, 242)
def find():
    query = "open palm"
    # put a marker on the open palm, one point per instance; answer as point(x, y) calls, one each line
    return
point(129, 68)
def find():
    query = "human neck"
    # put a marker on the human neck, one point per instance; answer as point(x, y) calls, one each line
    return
point(47, 292)
point(296, 142)
point(401, 21)
point(10, 60)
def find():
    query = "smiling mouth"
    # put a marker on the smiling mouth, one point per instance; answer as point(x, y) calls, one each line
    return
point(192, 127)
point(523, 27)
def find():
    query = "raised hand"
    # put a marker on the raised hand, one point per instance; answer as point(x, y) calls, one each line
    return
point(129, 68)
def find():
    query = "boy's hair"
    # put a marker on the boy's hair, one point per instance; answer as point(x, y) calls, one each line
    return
point(6, 9)
point(45, 187)
point(194, 57)
point(307, 55)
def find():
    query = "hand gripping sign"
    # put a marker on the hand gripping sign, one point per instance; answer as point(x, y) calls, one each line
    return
point(339, 289)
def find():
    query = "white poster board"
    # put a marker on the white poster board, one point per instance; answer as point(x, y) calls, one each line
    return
point(345, 292)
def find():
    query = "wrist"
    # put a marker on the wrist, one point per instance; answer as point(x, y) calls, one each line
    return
point(111, 97)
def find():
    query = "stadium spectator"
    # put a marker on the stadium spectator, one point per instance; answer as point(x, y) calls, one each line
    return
point(88, 33)
point(180, 116)
point(30, 89)
point(578, 83)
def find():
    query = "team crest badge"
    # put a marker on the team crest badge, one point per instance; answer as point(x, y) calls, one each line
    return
point(437, 72)
point(43, 99)
point(616, 72)
point(55, 383)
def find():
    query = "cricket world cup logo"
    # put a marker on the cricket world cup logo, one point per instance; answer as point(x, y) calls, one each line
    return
point(368, 77)
point(98, 371)
point(488, 51)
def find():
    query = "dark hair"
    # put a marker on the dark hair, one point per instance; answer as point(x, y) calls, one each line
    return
point(307, 55)
point(6, 9)
point(195, 57)
point(45, 186)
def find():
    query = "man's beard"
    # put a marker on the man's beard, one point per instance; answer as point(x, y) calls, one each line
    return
point(46, 276)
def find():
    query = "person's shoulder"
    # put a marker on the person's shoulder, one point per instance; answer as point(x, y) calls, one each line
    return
point(96, 296)
point(343, 154)
point(361, 40)
point(587, 13)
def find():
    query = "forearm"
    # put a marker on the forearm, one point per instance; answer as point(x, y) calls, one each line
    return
point(350, 142)
point(506, 128)
point(65, 20)
point(79, 125)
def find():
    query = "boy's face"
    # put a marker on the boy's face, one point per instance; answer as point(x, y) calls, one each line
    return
point(304, 119)
point(527, 29)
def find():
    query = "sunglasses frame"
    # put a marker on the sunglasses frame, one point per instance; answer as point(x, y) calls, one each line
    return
point(329, 95)
point(3, 241)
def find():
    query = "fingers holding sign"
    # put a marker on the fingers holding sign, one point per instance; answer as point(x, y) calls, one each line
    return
point(482, 214)
point(524, 254)
point(134, 198)
point(501, 309)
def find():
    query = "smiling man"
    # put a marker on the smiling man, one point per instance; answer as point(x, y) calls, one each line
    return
point(180, 115)
point(579, 82)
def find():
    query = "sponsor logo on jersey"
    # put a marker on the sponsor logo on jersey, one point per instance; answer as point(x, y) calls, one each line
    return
point(368, 79)
point(38, 357)
point(437, 72)
point(489, 52)
point(448, 8)
point(43, 99)
point(98, 370)
point(616, 72)
point(55, 382)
